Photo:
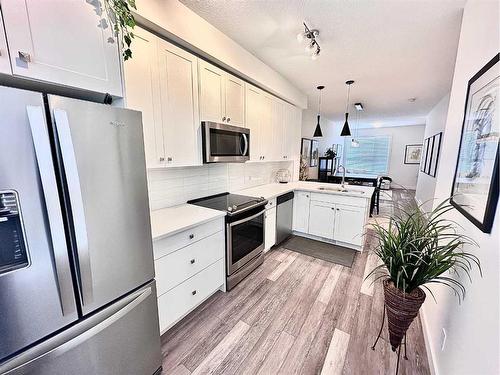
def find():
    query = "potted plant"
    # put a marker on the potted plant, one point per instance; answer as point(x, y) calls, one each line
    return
point(417, 249)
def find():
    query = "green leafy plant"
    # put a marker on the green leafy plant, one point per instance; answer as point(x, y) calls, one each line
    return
point(120, 15)
point(417, 248)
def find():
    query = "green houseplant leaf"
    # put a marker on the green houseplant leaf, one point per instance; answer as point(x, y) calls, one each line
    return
point(418, 248)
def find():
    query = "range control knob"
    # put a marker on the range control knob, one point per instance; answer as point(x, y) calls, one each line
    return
point(235, 207)
point(229, 208)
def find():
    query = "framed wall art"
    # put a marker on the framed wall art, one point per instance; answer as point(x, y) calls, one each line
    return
point(475, 184)
point(413, 154)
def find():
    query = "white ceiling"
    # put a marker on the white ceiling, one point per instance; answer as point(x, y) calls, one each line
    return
point(393, 49)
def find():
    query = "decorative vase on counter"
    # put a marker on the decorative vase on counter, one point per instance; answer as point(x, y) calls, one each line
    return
point(303, 169)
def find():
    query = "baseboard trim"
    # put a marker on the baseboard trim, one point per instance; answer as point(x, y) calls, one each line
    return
point(431, 356)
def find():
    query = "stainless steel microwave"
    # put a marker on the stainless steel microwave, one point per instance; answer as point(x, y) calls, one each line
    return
point(225, 143)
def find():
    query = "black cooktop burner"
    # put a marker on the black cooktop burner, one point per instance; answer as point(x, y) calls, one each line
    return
point(227, 202)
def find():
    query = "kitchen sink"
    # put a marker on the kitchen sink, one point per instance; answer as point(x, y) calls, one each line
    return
point(341, 190)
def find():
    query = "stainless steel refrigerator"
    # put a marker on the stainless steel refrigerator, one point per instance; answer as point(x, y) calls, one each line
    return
point(77, 289)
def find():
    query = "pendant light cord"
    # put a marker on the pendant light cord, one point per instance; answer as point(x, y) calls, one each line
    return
point(319, 104)
point(348, 96)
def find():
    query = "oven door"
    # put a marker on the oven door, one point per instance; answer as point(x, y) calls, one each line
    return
point(245, 240)
point(225, 143)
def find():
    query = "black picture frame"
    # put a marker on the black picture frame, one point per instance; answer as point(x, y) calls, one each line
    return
point(306, 154)
point(430, 154)
point(406, 154)
point(437, 138)
point(314, 158)
point(424, 156)
point(485, 222)
point(427, 154)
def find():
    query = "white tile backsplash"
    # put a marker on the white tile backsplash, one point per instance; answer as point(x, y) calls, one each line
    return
point(173, 186)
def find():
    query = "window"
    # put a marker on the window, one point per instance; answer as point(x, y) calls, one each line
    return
point(371, 157)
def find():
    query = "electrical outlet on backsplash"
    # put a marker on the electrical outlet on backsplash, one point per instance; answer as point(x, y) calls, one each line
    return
point(173, 186)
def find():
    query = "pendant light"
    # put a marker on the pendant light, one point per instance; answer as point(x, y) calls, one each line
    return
point(317, 131)
point(346, 132)
point(354, 140)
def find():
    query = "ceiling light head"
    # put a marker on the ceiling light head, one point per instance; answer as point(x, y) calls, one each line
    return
point(358, 106)
point(310, 36)
point(300, 37)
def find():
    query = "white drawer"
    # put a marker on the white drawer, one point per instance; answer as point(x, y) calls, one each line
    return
point(176, 241)
point(177, 302)
point(340, 199)
point(174, 268)
point(271, 203)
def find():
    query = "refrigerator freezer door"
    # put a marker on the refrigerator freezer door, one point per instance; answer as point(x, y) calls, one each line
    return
point(102, 153)
point(120, 339)
point(36, 290)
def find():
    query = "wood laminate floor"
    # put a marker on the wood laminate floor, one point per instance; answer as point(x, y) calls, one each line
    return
point(293, 315)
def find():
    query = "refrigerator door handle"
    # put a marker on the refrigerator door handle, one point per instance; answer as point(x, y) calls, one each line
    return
point(72, 338)
point(43, 153)
point(76, 200)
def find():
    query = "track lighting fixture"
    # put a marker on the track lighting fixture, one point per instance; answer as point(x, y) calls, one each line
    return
point(310, 35)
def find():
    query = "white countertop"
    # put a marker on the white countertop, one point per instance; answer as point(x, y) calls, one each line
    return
point(273, 190)
point(168, 221)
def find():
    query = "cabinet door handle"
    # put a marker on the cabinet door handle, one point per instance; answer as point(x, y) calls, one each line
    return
point(193, 292)
point(162, 159)
point(228, 119)
point(191, 236)
point(338, 209)
point(192, 261)
point(24, 56)
point(169, 159)
point(224, 118)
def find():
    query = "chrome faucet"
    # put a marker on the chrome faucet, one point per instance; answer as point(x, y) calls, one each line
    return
point(343, 175)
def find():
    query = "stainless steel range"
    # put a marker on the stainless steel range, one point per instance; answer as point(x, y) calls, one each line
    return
point(244, 232)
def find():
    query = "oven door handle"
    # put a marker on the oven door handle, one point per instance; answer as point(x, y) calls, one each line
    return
point(246, 219)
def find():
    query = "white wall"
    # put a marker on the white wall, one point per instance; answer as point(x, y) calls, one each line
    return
point(178, 23)
point(404, 175)
point(173, 186)
point(473, 331)
point(331, 134)
point(435, 123)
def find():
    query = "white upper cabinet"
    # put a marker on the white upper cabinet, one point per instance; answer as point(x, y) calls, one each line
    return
point(142, 89)
point(179, 105)
point(253, 119)
point(162, 82)
point(212, 82)
point(4, 53)
point(61, 42)
point(277, 117)
point(266, 130)
point(235, 101)
point(222, 96)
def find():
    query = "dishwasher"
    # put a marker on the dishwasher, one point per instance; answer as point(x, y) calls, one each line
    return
point(284, 214)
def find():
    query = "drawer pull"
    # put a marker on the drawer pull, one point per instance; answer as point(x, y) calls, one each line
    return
point(193, 292)
point(191, 236)
point(192, 261)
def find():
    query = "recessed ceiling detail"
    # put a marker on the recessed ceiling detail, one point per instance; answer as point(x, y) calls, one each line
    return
point(395, 50)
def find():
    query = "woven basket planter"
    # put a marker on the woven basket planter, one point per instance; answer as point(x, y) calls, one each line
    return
point(402, 308)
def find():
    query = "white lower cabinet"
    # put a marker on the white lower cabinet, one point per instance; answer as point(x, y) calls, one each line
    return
point(301, 211)
point(270, 228)
point(189, 267)
point(179, 301)
point(321, 219)
point(349, 223)
point(339, 219)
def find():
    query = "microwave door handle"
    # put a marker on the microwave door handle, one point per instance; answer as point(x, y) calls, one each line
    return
point(76, 200)
point(245, 150)
point(41, 143)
